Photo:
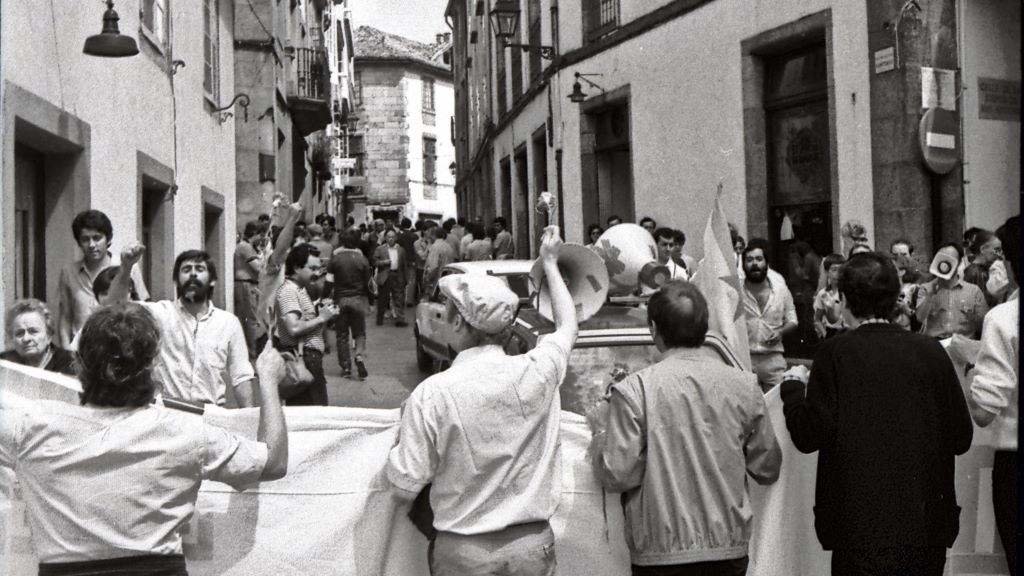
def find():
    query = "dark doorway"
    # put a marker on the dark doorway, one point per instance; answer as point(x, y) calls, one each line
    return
point(799, 179)
point(606, 163)
point(29, 223)
point(522, 205)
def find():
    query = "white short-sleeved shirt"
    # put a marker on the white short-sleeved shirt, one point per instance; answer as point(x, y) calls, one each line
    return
point(113, 482)
point(485, 434)
point(996, 383)
point(200, 355)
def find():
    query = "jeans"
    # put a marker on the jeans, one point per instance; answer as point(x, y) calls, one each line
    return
point(902, 561)
point(351, 319)
point(522, 550)
point(732, 567)
point(316, 393)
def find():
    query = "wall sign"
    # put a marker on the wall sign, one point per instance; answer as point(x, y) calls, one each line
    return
point(938, 88)
point(939, 140)
point(998, 99)
point(885, 60)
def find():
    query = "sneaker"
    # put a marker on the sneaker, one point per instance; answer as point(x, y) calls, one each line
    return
point(347, 373)
point(361, 368)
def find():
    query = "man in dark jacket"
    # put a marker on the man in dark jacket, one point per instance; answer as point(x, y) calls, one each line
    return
point(885, 411)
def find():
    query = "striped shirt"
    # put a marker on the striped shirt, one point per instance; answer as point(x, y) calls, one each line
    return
point(293, 299)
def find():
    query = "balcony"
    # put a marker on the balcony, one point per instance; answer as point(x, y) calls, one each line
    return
point(309, 90)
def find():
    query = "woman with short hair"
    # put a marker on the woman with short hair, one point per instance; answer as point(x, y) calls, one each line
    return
point(29, 328)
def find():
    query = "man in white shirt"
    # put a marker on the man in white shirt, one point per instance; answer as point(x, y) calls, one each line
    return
point(202, 348)
point(484, 433)
point(109, 484)
point(995, 386)
point(666, 240)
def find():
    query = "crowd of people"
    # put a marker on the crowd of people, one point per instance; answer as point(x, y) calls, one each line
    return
point(882, 403)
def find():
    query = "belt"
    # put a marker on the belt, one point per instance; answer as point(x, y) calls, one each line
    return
point(147, 565)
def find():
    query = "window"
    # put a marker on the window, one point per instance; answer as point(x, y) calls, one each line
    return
point(533, 13)
point(599, 18)
point(355, 150)
point(517, 73)
point(429, 160)
point(428, 94)
point(357, 80)
point(502, 90)
point(211, 49)
point(153, 15)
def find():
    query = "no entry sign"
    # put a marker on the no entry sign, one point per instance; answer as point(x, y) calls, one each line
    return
point(939, 139)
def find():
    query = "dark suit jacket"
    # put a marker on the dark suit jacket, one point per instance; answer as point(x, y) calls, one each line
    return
point(382, 261)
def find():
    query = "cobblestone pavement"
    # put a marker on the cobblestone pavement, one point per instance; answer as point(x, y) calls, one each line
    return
point(390, 360)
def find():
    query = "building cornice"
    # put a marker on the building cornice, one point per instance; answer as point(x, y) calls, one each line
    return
point(400, 62)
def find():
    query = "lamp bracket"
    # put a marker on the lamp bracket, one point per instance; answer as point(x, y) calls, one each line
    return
point(590, 83)
point(243, 99)
point(546, 52)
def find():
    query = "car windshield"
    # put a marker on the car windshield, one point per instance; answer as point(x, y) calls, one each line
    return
point(592, 370)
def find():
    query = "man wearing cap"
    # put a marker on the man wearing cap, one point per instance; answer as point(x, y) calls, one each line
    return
point(484, 433)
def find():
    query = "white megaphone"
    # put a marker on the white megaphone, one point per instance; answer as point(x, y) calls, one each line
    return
point(585, 275)
point(631, 257)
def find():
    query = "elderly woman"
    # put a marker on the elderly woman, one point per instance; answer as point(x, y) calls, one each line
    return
point(109, 484)
point(30, 329)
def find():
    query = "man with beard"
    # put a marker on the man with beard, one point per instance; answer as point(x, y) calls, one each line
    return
point(202, 348)
point(770, 312)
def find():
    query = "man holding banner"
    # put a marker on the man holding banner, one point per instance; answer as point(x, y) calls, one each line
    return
point(484, 433)
point(109, 484)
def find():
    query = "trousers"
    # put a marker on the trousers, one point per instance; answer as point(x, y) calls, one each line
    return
point(1004, 502)
point(904, 561)
point(731, 567)
point(521, 550)
point(149, 565)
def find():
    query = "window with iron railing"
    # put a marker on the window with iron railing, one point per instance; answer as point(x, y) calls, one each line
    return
point(356, 150)
point(599, 18)
point(428, 94)
point(309, 73)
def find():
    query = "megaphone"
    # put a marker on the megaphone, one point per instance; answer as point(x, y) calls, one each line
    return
point(585, 275)
point(631, 257)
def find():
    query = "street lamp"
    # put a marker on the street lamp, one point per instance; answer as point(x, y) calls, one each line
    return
point(578, 95)
point(505, 23)
point(110, 43)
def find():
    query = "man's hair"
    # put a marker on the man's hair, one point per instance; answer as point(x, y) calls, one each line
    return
point(350, 240)
point(350, 221)
point(833, 259)
point(904, 241)
point(954, 245)
point(500, 220)
point(871, 285)
point(315, 230)
point(664, 233)
point(298, 256)
point(439, 232)
point(969, 235)
point(406, 223)
point(418, 226)
point(592, 227)
point(24, 307)
point(757, 244)
point(680, 237)
point(980, 238)
point(195, 256)
point(252, 228)
point(94, 220)
point(448, 224)
point(680, 313)
point(612, 217)
point(263, 218)
point(116, 351)
point(101, 284)
point(1009, 235)
point(646, 219)
point(461, 221)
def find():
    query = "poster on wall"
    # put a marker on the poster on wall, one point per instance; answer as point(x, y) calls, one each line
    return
point(938, 88)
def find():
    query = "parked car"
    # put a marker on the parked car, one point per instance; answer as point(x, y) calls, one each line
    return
point(611, 344)
point(431, 329)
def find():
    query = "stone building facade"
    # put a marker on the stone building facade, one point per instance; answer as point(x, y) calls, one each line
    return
point(401, 139)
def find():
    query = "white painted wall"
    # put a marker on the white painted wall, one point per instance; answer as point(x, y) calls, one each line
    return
point(127, 103)
point(991, 147)
point(444, 110)
point(687, 111)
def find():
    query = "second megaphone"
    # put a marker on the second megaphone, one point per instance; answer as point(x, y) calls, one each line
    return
point(585, 275)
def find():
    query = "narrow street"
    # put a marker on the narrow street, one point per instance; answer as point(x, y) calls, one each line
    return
point(391, 362)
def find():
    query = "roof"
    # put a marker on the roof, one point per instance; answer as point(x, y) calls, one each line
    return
point(374, 44)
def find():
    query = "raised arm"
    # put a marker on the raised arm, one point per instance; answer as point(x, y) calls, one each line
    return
point(273, 431)
point(121, 287)
point(561, 301)
point(289, 216)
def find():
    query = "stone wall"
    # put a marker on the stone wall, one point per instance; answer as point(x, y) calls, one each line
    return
point(384, 124)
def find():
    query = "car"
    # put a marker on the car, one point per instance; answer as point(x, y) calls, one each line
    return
point(431, 330)
point(611, 344)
